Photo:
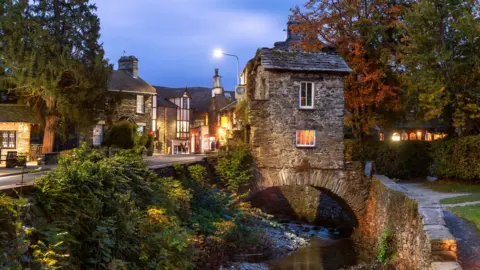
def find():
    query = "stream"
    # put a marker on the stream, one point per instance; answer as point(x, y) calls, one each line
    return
point(326, 251)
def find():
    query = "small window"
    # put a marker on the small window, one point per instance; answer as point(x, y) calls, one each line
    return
point(140, 104)
point(306, 95)
point(305, 138)
point(140, 130)
point(382, 136)
point(8, 139)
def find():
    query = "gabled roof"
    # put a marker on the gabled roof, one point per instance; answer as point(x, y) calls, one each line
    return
point(201, 96)
point(17, 113)
point(123, 81)
point(302, 61)
point(230, 106)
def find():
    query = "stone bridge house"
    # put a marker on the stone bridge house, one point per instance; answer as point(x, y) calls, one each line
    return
point(296, 121)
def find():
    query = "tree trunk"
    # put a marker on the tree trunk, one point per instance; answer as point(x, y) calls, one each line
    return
point(49, 133)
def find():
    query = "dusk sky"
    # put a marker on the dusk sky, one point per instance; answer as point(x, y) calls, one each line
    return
point(174, 39)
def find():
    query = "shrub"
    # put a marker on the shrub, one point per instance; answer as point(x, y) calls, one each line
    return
point(386, 248)
point(122, 134)
point(101, 210)
point(457, 158)
point(235, 168)
point(404, 159)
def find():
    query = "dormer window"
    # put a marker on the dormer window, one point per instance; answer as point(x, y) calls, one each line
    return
point(140, 104)
point(306, 95)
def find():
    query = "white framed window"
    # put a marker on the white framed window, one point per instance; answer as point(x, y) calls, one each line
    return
point(305, 138)
point(140, 130)
point(306, 94)
point(140, 104)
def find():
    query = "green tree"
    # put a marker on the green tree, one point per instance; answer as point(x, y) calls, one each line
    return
point(55, 60)
point(441, 61)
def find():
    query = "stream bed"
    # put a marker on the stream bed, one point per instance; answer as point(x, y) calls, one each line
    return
point(323, 253)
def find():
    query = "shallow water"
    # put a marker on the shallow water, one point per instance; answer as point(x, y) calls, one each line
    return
point(323, 253)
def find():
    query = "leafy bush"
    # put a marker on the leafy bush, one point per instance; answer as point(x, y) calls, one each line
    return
point(457, 158)
point(404, 159)
point(122, 134)
point(234, 168)
point(103, 210)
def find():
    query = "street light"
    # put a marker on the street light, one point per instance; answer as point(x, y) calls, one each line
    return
point(218, 53)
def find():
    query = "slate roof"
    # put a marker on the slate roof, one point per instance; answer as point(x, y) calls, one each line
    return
point(17, 113)
point(230, 106)
point(305, 61)
point(121, 80)
point(201, 96)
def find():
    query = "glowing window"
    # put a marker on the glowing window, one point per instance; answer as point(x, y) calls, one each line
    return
point(412, 136)
point(305, 138)
point(395, 137)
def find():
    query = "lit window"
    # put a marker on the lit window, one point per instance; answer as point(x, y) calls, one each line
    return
point(396, 137)
point(8, 139)
point(306, 95)
point(140, 104)
point(305, 138)
point(382, 136)
point(412, 136)
point(404, 136)
point(154, 126)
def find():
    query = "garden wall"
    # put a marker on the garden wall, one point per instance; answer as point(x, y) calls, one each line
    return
point(417, 240)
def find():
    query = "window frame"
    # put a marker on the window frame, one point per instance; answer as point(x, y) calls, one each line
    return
point(306, 107)
point(142, 111)
point(306, 145)
point(8, 140)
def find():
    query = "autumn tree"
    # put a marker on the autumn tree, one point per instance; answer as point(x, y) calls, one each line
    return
point(52, 49)
point(441, 60)
point(366, 34)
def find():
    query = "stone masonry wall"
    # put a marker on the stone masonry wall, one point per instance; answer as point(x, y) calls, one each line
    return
point(127, 107)
point(166, 125)
point(415, 247)
point(276, 117)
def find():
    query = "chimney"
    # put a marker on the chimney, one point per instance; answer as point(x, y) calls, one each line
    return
point(292, 35)
point(217, 84)
point(130, 64)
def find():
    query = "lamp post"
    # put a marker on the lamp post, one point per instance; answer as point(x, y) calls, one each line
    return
point(218, 53)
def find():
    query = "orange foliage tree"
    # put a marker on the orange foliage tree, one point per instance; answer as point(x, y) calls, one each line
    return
point(366, 34)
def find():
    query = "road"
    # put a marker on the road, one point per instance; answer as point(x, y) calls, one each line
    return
point(152, 162)
point(15, 179)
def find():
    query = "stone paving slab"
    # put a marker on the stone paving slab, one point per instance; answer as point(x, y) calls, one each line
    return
point(446, 266)
point(432, 216)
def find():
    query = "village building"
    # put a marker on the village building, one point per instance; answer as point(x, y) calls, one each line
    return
point(410, 130)
point(131, 97)
point(16, 124)
point(188, 119)
point(296, 108)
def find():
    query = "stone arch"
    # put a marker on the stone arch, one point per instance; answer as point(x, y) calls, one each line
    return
point(348, 187)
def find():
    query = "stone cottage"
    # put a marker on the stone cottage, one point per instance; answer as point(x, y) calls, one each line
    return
point(134, 99)
point(296, 101)
point(16, 122)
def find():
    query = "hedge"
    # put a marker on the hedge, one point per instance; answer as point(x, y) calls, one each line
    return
point(453, 159)
point(457, 159)
point(396, 159)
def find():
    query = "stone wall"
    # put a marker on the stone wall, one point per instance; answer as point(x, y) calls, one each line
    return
point(22, 137)
point(166, 125)
point(127, 107)
point(416, 246)
point(275, 117)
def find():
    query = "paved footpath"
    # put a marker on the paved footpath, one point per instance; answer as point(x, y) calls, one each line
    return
point(468, 239)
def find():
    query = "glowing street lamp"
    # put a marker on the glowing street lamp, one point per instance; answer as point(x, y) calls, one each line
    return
point(219, 53)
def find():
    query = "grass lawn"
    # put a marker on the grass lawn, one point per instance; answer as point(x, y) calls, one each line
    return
point(469, 198)
point(470, 213)
point(456, 187)
point(451, 186)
